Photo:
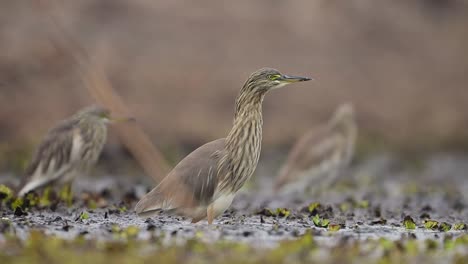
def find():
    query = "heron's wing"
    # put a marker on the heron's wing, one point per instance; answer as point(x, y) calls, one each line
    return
point(190, 184)
point(54, 156)
point(310, 151)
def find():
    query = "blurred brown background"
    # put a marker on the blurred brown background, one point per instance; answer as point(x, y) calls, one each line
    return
point(179, 65)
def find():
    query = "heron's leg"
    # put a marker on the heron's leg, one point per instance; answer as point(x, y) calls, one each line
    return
point(210, 213)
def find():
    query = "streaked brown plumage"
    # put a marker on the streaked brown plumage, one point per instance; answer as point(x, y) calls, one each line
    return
point(321, 154)
point(204, 183)
point(67, 149)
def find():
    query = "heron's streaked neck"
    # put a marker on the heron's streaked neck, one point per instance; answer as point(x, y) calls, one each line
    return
point(243, 144)
point(248, 115)
point(344, 126)
point(348, 129)
point(249, 100)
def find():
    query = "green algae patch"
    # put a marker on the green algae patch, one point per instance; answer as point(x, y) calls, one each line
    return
point(31, 200)
point(386, 244)
point(431, 224)
point(462, 240)
point(320, 222)
point(449, 243)
point(83, 216)
point(445, 227)
point(431, 244)
point(17, 203)
point(412, 247)
point(345, 206)
point(409, 223)
point(313, 207)
point(303, 246)
point(130, 232)
point(459, 226)
point(123, 209)
point(45, 199)
point(5, 193)
point(364, 204)
point(282, 212)
point(266, 212)
point(41, 248)
point(91, 204)
point(334, 227)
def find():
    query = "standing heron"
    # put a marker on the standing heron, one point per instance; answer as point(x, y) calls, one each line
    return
point(67, 149)
point(205, 182)
point(319, 157)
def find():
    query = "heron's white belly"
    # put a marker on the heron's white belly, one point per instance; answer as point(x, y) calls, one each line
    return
point(222, 203)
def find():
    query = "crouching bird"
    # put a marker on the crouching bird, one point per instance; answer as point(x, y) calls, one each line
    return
point(319, 157)
point(205, 182)
point(69, 148)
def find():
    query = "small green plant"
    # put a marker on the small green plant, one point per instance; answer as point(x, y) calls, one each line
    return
point(408, 223)
point(313, 206)
point(362, 204)
point(386, 244)
point(17, 203)
point(345, 206)
point(334, 227)
point(31, 199)
point(459, 226)
point(412, 246)
point(431, 224)
point(124, 233)
point(449, 243)
point(267, 212)
point(91, 204)
point(44, 200)
point(131, 231)
point(320, 222)
point(84, 215)
point(462, 240)
point(5, 193)
point(283, 212)
point(444, 226)
point(123, 209)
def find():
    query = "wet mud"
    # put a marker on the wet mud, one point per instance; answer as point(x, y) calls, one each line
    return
point(380, 199)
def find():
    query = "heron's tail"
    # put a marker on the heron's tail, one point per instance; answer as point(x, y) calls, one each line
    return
point(152, 204)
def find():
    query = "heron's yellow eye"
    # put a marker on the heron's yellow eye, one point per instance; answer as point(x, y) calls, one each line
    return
point(274, 77)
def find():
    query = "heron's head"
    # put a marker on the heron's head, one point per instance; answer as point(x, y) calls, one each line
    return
point(99, 114)
point(266, 79)
point(344, 114)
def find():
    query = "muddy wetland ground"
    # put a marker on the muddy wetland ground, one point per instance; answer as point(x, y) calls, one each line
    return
point(385, 210)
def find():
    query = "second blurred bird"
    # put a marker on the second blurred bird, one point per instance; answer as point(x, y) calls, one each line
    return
point(319, 157)
point(69, 148)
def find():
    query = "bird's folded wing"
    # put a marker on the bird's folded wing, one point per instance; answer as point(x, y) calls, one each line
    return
point(53, 157)
point(190, 184)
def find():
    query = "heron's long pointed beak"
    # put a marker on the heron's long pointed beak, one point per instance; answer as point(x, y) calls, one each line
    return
point(293, 79)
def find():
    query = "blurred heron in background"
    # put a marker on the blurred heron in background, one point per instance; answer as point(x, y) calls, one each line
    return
point(319, 157)
point(69, 148)
point(205, 182)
